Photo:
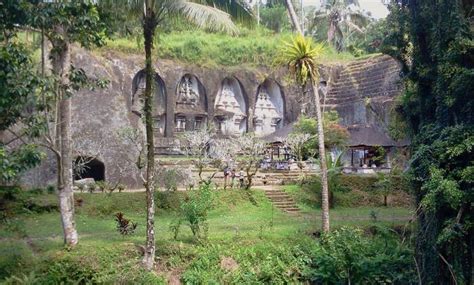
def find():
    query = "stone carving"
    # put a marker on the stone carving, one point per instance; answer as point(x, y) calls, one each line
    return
point(138, 100)
point(159, 101)
point(230, 113)
point(267, 118)
point(188, 92)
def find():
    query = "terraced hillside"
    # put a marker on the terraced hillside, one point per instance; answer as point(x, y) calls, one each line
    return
point(364, 89)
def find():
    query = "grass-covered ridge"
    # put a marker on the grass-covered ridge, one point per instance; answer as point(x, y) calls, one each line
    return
point(254, 48)
point(266, 245)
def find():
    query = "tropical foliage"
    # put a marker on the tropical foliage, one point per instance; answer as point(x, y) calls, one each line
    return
point(344, 18)
point(435, 45)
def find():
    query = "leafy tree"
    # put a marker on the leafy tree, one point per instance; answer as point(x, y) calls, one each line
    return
point(251, 150)
point(343, 20)
point(64, 23)
point(20, 86)
point(435, 45)
point(300, 55)
point(274, 17)
point(335, 135)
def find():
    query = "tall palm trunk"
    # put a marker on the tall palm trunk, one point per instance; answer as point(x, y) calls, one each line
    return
point(293, 17)
point(61, 62)
point(331, 31)
point(322, 157)
point(149, 25)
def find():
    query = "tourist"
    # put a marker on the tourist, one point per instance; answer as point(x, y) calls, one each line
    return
point(226, 175)
point(241, 178)
point(232, 176)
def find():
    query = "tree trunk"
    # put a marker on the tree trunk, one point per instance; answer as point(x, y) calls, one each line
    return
point(61, 62)
point(331, 32)
point(322, 157)
point(293, 17)
point(148, 32)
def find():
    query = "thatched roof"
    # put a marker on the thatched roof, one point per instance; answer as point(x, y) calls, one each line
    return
point(370, 135)
point(280, 133)
point(359, 135)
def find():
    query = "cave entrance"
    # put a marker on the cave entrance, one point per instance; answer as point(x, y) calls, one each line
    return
point(88, 167)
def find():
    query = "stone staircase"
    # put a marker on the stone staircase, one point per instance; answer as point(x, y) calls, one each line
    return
point(282, 201)
point(367, 78)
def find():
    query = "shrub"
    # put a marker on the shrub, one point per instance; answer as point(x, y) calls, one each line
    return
point(102, 185)
point(194, 210)
point(346, 256)
point(91, 187)
point(124, 226)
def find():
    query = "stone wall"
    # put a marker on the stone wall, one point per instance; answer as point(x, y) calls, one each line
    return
point(364, 90)
point(98, 116)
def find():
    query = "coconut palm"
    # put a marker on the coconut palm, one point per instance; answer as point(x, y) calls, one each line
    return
point(293, 17)
point(154, 12)
point(343, 18)
point(300, 55)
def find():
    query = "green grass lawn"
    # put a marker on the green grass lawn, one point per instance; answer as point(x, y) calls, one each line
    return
point(235, 224)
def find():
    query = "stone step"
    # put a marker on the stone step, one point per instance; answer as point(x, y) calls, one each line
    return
point(368, 68)
point(372, 60)
point(370, 82)
point(282, 201)
point(387, 93)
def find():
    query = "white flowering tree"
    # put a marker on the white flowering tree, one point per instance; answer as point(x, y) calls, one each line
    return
point(296, 142)
point(251, 150)
point(204, 150)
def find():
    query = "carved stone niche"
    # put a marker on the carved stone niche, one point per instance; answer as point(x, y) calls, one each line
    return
point(269, 108)
point(231, 108)
point(191, 104)
point(159, 100)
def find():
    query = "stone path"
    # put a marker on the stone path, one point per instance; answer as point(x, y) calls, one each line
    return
point(280, 199)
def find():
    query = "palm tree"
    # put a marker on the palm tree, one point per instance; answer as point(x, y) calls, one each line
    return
point(293, 17)
point(153, 12)
point(300, 55)
point(342, 19)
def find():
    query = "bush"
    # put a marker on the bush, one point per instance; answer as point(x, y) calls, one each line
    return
point(194, 210)
point(84, 265)
point(355, 191)
point(15, 257)
point(346, 256)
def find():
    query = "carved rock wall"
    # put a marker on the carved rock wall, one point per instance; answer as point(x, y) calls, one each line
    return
point(98, 116)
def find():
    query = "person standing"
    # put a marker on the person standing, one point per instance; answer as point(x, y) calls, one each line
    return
point(232, 176)
point(226, 175)
point(241, 178)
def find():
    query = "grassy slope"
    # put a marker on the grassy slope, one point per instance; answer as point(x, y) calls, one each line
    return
point(234, 225)
point(250, 48)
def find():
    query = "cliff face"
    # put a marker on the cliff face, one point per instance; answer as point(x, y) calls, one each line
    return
point(364, 91)
point(100, 115)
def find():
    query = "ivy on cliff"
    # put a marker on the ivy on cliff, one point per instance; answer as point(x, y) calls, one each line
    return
point(434, 42)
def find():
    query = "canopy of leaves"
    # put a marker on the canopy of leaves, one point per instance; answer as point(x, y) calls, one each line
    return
point(300, 55)
point(435, 44)
point(81, 19)
point(335, 135)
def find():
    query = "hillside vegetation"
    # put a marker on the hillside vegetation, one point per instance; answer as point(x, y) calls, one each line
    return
point(253, 48)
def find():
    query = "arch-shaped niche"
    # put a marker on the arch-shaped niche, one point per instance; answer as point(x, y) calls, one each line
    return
point(231, 108)
point(89, 167)
point(159, 100)
point(191, 104)
point(269, 108)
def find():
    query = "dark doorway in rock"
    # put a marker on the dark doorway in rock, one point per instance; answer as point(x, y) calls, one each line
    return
point(89, 167)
